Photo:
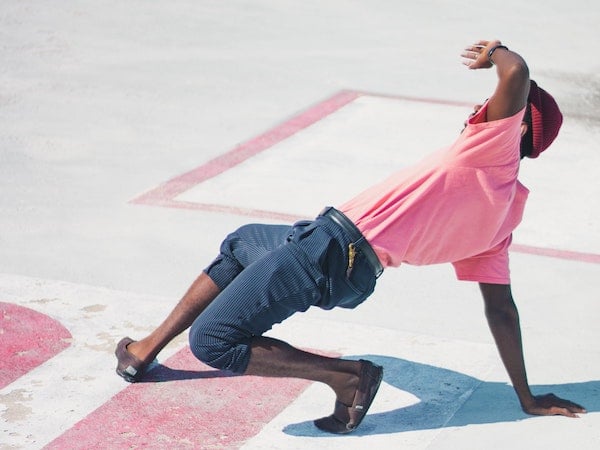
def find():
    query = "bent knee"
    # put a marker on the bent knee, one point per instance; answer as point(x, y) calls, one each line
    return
point(219, 353)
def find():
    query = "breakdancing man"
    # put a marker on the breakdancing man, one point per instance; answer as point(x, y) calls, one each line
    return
point(460, 206)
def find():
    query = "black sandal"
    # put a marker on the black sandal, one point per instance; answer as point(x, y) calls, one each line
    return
point(346, 419)
point(129, 366)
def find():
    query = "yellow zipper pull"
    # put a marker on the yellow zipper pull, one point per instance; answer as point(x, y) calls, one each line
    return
point(351, 256)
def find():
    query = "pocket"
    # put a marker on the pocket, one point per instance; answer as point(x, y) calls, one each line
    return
point(360, 284)
point(361, 278)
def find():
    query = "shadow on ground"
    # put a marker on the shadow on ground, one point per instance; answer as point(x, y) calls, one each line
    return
point(450, 399)
point(446, 398)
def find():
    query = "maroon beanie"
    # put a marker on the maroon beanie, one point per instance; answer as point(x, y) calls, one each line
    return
point(546, 119)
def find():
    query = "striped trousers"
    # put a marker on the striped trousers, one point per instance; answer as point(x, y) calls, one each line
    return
point(266, 273)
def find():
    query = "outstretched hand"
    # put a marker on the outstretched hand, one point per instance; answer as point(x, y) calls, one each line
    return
point(551, 405)
point(476, 55)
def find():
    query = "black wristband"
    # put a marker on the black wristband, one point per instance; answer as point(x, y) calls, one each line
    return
point(492, 50)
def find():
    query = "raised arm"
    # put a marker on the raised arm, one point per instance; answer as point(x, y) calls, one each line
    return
point(503, 319)
point(510, 95)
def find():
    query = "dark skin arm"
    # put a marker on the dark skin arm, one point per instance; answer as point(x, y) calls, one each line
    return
point(510, 95)
point(503, 319)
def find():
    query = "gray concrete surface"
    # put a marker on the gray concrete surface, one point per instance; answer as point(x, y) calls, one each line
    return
point(101, 102)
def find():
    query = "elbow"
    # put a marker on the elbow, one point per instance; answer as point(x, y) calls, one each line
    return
point(499, 305)
point(518, 73)
point(505, 314)
point(522, 72)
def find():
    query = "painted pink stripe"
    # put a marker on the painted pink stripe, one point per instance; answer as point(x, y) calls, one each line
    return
point(184, 405)
point(29, 338)
point(166, 193)
point(433, 101)
point(238, 211)
point(554, 253)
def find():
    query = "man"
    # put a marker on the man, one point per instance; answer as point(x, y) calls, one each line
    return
point(459, 205)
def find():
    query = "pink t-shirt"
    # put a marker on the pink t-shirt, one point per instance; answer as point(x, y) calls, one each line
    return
point(459, 205)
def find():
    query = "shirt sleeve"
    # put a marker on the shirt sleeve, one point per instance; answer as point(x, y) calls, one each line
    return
point(490, 266)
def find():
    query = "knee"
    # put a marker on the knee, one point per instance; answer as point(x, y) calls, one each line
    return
point(205, 347)
point(207, 354)
point(215, 350)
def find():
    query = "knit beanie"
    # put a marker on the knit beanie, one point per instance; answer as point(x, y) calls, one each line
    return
point(546, 119)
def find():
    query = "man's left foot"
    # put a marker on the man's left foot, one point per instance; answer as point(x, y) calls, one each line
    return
point(346, 419)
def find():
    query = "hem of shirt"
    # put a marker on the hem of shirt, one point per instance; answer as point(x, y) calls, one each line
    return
point(488, 280)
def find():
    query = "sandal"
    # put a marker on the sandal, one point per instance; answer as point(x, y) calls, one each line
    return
point(346, 419)
point(129, 367)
